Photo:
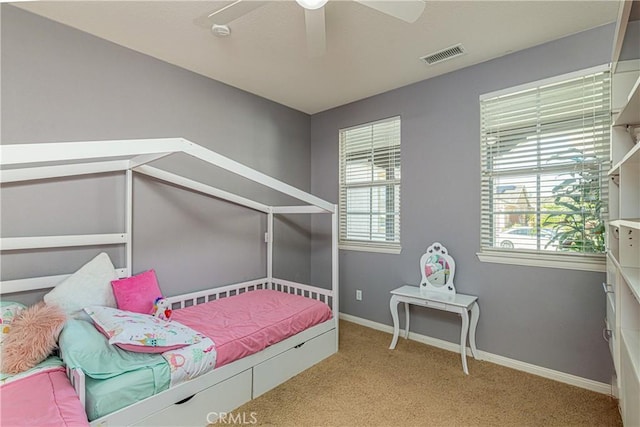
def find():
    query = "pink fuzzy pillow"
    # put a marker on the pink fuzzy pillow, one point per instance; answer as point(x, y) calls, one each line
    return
point(32, 337)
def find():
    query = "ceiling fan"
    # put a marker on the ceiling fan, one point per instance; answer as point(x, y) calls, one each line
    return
point(405, 10)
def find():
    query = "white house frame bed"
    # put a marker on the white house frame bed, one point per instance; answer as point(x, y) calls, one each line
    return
point(200, 400)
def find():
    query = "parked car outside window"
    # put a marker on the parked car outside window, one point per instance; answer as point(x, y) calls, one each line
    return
point(526, 238)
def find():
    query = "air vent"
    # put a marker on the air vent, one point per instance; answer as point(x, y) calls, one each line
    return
point(444, 54)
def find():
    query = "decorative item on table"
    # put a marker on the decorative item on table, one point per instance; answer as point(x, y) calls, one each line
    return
point(162, 309)
point(437, 270)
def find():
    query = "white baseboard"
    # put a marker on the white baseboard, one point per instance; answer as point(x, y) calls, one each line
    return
point(489, 357)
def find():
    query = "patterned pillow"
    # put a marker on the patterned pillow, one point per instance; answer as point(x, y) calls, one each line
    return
point(142, 333)
point(8, 312)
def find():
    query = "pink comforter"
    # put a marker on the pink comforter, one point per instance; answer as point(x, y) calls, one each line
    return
point(247, 323)
point(42, 399)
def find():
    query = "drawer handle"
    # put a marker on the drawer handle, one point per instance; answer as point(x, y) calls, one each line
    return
point(607, 334)
point(607, 288)
point(299, 345)
point(185, 400)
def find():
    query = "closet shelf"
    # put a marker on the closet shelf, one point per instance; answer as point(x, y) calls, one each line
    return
point(623, 249)
point(633, 156)
point(631, 275)
point(630, 222)
point(630, 114)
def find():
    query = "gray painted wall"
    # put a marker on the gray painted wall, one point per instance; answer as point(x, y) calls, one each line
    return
point(548, 317)
point(631, 45)
point(60, 84)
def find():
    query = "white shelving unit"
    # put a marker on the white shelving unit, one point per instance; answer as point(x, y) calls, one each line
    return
point(623, 232)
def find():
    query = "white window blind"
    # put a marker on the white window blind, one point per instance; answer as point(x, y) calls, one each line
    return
point(545, 157)
point(370, 185)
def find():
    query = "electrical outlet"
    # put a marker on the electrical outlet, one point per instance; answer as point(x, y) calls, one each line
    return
point(358, 295)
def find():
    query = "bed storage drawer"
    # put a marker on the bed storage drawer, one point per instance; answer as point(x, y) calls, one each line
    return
point(286, 365)
point(203, 407)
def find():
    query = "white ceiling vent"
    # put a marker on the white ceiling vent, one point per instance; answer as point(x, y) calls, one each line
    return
point(444, 54)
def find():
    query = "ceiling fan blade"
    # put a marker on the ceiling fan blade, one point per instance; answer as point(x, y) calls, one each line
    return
point(406, 10)
point(228, 13)
point(316, 32)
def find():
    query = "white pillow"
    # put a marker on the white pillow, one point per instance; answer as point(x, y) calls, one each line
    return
point(91, 285)
point(141, 332)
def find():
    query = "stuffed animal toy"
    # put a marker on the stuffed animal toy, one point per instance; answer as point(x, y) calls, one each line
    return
point(162, 309)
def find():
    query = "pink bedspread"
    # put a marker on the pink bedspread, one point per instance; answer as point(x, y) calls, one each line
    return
point(247, 323)
point(43, 399)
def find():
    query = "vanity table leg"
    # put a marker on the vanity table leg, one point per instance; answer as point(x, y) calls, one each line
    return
point(406, 317)
point(393, 306)
point(475, 315)
point(463, 340)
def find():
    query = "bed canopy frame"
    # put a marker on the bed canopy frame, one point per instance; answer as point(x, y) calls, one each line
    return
point(38, 161)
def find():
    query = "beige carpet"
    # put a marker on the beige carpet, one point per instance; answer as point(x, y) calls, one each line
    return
point(366, 384)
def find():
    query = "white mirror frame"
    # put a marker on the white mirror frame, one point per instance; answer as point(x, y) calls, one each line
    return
point(447, 286)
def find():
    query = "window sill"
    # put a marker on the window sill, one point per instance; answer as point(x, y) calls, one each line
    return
point(564, 261)
point(367, 248)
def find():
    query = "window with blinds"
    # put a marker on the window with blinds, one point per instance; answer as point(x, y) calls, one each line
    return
point(545, 157)
point(370, 186)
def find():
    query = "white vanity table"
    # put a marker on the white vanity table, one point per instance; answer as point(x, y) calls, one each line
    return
point(457, 303)
point(437, 291)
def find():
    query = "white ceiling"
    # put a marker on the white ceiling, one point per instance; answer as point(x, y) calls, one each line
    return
point(367, 52)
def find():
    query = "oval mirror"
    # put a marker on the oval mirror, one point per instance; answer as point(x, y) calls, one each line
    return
point(437, 268)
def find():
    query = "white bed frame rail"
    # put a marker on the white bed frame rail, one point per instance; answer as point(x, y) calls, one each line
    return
point(201, 297)
point(76, 376)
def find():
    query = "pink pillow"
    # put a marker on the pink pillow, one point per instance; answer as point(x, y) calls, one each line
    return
point(137, 293)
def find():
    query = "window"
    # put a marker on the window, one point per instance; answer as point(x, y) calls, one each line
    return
point(370, 186)
point(545, 157)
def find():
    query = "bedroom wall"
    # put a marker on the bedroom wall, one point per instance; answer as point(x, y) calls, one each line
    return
point(631, 45)
point(60, 84)
point(547, 317)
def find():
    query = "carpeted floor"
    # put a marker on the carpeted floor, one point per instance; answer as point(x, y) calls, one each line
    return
point(366, 384)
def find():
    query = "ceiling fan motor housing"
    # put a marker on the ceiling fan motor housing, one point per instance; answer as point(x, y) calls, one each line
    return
point(220, 30)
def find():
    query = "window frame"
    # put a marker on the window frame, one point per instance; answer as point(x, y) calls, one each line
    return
point(563, 260)
point(375, 246)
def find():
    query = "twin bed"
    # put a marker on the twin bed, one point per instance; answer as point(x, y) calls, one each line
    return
point(263, 331)
point(43, 396)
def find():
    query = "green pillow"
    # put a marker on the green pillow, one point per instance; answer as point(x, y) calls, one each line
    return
point(83, 346)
